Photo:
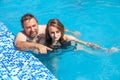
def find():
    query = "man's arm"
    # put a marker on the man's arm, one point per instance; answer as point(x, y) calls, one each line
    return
point(22, 44)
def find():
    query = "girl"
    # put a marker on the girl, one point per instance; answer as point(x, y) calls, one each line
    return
point(55, 37)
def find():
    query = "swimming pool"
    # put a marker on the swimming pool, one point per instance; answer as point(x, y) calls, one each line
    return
point(97, 20)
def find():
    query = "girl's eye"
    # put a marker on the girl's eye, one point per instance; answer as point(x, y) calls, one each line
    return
point(52, 32)
point(57, 31)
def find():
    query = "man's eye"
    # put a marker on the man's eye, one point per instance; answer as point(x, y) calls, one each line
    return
point(34, 25)
point(28, 27)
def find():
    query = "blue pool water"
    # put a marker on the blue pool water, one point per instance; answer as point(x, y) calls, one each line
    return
point(98, 22)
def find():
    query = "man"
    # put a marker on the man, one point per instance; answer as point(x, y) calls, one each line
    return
point(28, 38)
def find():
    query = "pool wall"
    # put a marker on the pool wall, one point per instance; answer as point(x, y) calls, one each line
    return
point(18, 65)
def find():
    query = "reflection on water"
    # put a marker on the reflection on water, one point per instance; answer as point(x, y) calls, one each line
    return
point(52, 59)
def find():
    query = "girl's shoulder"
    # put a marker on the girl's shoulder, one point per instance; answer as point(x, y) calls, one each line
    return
point(68, 37)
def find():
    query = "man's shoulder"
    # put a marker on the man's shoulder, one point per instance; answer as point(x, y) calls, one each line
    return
point(42, 29)
point(42, 26)
point(20, 37)
point(21, 34)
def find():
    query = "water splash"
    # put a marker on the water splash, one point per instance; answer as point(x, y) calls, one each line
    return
point(113, 50)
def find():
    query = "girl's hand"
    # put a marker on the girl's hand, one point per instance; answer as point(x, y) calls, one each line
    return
point(89, 44)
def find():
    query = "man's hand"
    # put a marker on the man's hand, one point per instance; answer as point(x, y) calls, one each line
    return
point(43, 49)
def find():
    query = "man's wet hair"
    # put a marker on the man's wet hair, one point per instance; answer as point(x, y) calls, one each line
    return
point(27, 16)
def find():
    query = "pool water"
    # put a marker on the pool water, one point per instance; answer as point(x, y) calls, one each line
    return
point(98, 22)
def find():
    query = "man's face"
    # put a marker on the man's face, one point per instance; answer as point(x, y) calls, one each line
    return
point(30, 28)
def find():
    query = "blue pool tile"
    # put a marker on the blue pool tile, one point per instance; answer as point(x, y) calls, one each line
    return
point(19, 65)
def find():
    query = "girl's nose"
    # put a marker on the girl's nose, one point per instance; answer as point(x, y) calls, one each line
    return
point(55, 35)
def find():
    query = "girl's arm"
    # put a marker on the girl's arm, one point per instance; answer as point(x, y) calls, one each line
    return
point(73, 32)
point(89, 44)
point(94, 46)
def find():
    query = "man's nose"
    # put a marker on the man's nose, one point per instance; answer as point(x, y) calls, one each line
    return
point(32, 29)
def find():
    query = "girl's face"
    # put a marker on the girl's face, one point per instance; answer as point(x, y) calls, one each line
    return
point(55, 33)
